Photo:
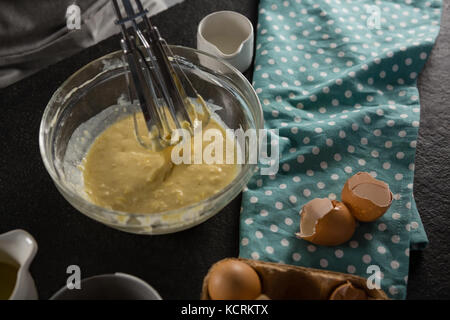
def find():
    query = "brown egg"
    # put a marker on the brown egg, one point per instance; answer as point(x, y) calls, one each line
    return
point(347, 291)
point(366, 197)
point(326, 222)
point(233, 280)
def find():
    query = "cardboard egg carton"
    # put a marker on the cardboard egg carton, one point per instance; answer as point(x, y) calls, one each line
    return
point(287, 282)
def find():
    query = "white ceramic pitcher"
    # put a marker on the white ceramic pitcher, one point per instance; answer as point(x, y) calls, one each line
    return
point(18, 247)
point(227, 35)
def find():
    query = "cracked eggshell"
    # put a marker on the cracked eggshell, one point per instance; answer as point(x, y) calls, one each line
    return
point(347, 291)
point(366, 197)
point(326, 222)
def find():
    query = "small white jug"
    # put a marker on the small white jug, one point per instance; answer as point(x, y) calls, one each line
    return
point(18, 247)
point(229, 36)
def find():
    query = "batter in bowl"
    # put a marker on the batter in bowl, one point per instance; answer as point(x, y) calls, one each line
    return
point(122, 175)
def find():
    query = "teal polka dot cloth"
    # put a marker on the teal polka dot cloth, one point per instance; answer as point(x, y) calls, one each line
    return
point(338, 79)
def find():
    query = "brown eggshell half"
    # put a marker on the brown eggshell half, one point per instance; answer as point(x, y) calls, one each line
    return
point(233, 280)
point(326, 222)
point(366, 197)
point(347, 291)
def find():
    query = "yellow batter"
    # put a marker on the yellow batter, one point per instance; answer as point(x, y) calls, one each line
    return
point(122, 175)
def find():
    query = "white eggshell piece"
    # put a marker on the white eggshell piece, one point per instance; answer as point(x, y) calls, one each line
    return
point(312, 212)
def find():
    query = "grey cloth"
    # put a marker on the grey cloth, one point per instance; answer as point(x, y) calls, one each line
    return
point(34, 34)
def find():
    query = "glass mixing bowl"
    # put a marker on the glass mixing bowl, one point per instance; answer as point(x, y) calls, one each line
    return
point(101, 84)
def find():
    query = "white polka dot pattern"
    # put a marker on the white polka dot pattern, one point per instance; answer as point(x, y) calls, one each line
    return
point(344, 98)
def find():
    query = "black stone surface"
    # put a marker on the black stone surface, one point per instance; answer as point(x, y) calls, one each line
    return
point(175, 264)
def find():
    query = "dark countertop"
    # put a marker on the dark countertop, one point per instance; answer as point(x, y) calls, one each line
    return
point(175, 264)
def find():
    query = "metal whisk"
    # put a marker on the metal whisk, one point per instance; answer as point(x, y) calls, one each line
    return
point(159, 84)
